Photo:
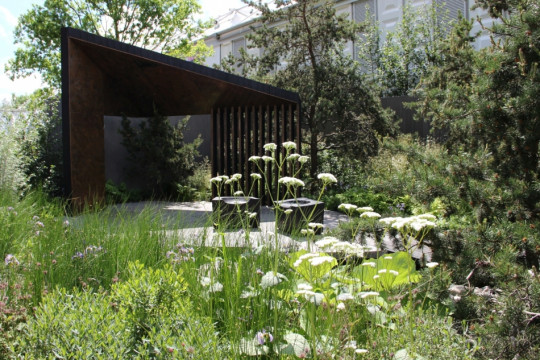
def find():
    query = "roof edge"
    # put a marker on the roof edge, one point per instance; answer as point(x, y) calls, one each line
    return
point(202, 70)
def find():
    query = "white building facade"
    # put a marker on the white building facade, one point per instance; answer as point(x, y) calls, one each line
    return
point(228, 35)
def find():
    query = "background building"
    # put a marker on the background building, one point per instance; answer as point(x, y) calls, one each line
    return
point(228, 35)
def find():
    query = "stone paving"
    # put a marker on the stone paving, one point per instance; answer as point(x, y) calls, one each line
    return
point(190, 223)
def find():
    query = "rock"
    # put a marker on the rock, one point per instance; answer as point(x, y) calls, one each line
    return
point(457, 289)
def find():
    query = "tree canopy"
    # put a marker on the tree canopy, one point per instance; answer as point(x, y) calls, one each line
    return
point(302, 45)
point(167, 26)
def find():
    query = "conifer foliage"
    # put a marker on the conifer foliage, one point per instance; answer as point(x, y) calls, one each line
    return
point(491, 98)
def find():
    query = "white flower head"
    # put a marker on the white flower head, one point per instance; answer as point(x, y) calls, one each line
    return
point(216, 180)
point(314, 225)
point(289, 145)
point(366, 294)
point(420, 224)
point(394, 272)
point(303, 159)
point(238, 193)
point(256, 176)
point(224, 177)
point(326, 242)
point(364, 209)
point(288, 211)
point(236, 176)
point(293, 157)
point(303, 286)
point(307, 256)
point(361, 351)
point(215, 287)
point(307, 232)
point(254, 158)
point(340, 306)
point(375, 277)
point(432, 265)
point(272, 279)
point(291, 181)
point(382, 271)
point(389, 220)
point(316, 261)
point(270, 147)
point(344, 297)
point(347, 207)
point(388, 258)
point(268, 159)
point(370, 215)
point(327, 178)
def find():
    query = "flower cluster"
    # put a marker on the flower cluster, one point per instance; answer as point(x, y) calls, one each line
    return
point(213, 286)
point(416, 223)
point(90, 250)
point(327, 178)
point(331, 244)
point(11, 260)
point(291, 181)
point(182, 254)
point(314, 259)
point(307, 292)
point(272, 279)
point(263, 337)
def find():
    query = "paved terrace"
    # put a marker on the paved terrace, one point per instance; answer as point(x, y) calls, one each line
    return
point(190, 223)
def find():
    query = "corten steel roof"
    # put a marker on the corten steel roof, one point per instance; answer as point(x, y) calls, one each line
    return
point(176, 86)
point(102, 76)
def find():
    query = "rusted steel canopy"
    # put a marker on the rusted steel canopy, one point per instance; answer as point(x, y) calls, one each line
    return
point(102, 77)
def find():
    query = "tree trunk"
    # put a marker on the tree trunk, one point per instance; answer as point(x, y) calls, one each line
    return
point(313, 153)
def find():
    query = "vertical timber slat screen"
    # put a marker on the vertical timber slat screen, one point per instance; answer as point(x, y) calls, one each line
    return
point(241, 132)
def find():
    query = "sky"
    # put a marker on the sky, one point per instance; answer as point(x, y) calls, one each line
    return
point(10, 10)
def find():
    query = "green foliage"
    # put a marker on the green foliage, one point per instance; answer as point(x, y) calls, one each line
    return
point(32, 126)
point(165, 25)
point(119, 194)
point(397, 63)
point(401, 264)
point(311, 273)
point(11, 176)
point(145, 317)
point(490, 99)
point(363, 196)
point(306, 55)
point(158, 154)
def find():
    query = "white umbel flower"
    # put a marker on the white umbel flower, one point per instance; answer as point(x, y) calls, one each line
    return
point(303, 159)
point(370, 215)
point(327, 178)
point(270, 147)
point(291, 181)
point(289, 145)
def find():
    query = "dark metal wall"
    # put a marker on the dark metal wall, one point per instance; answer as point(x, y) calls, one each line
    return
point(241, 132)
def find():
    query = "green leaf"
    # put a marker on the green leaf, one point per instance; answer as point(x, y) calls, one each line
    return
point(309, 268)
point(380, 274)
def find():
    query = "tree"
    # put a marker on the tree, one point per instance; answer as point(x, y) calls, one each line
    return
point(492, 99)
point(399, 61)
point(30, 125)
point(161, 25)
point(302, 44)
point(158, 154)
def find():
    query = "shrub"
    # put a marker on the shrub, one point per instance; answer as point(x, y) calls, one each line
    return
point(158, 153)
point(147, 316)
